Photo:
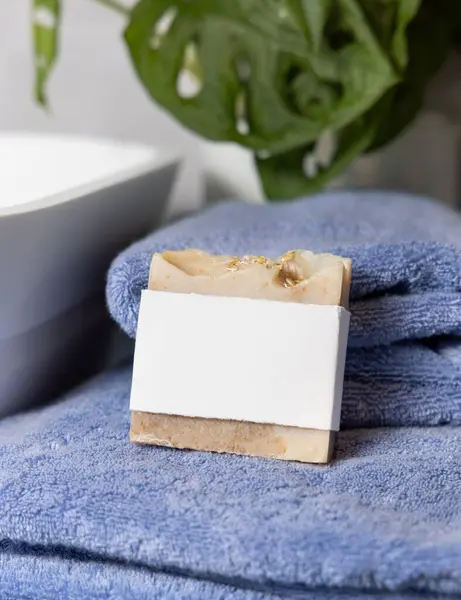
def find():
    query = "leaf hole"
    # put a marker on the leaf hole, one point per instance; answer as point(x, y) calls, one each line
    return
point(189, 82)
point(263, 154)
point(243, 68)
point(162, 27)
point(321, 155)
point(242, 123)
point(325, 148)
point(310, 165)
point(242, 126)
point(45, 18)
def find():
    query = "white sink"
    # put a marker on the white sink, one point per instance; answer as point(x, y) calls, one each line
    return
point(38, 169)
point(67, 206)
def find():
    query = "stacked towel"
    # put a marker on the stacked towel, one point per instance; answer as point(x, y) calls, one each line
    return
point(86, 515)
point(405, 294)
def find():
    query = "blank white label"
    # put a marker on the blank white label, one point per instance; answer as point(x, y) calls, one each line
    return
point(234, 358)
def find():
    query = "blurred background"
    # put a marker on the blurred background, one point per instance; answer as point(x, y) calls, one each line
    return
point(94, 90)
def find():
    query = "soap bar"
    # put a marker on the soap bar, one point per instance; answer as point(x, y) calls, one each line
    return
point(299, 277)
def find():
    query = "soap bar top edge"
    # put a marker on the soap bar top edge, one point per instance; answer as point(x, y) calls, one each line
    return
point(297, 276)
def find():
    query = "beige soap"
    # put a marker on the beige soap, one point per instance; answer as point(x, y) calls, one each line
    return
point(298, 276)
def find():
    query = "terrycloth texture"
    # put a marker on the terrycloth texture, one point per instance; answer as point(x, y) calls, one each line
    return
point(406, 290)
point(86, 515)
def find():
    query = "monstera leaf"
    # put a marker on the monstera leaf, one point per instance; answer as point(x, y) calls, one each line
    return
point(45, 20)
point(430, 36)
point(285, 176)
point(417, 36)
point(389, 20)
point(275, 75)
point(280, 76)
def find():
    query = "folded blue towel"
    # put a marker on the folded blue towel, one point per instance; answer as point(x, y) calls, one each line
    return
point(86, 515)
point(406, 290)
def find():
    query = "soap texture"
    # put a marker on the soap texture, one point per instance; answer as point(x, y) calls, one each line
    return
point(296, 276)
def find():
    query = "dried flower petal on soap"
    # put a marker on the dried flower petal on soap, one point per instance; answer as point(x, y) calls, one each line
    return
point(233, 265)
point(288, 256)
point(289, 274)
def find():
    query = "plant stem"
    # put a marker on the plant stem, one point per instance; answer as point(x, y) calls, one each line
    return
point(115, 5)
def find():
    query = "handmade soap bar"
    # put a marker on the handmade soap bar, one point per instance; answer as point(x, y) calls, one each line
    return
point(297, 276)
point(234, 386)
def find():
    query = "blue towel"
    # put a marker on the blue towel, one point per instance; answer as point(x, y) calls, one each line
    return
point(406, 290)
point(86, 515)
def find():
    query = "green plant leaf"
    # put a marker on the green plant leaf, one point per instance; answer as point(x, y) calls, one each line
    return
point(294, 87)
point(406, 12)
point(284, 176)
point(431, 36)
point(389, 20)
point(312, 16)
point(45, 23)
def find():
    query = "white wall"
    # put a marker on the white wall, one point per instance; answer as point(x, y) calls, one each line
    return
point(93, 90)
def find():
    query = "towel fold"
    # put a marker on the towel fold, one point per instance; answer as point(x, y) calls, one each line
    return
point(405, 293)
point(85, 514)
